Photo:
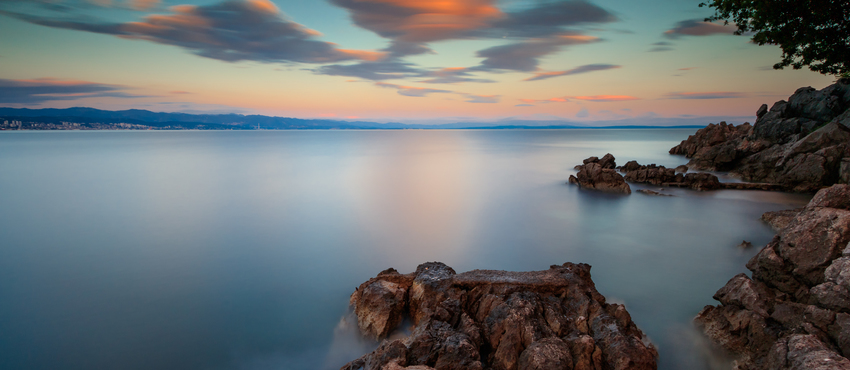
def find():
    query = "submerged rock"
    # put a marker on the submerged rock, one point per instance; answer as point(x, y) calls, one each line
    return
point(794, 313)
point(599, 174)
point(486, 319)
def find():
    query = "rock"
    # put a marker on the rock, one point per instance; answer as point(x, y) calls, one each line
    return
point(653, 192)
point(484, 319)
point(660, 175)
point(607, 162)
point(836, 196)
point(804, 352)
point(800, 144)
point(706, 147)
point(592, 175)
point(682, 169)
point(778, 220)
point(380, 304)
point(794, 313)
point(630, 166)
point(745, 245)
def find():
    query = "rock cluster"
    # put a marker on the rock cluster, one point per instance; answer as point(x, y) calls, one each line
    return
point(660, 175)
point(802, 144)
point(599, 174)
point(484, 319)
point(794, 313)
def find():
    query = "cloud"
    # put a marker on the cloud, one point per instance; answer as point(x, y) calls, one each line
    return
point(232, 30)
point(375, 71)
point(410, 90)
point(544, 101)
point(523, 56)
point(41, 90)
point(524, 105)
point(143, 5)
point(535, 31)
point(421, 21)
point(482, 98)
point(548, 18)
point(697, 27)
point(179, 92)
point(687, 68)
point(706, 95)
point(605, 98)
point(578, 70)
point(452, 75)
point(660, 48)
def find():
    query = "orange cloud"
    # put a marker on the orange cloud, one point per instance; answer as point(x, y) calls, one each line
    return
point(144, 4)
point(367, 55)
point(421, 20)
point(605, 98)
point(264, 5)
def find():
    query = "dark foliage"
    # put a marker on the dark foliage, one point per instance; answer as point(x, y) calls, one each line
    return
point(813, 33)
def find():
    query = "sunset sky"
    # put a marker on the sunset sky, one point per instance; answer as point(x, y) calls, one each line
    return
point(418, 61)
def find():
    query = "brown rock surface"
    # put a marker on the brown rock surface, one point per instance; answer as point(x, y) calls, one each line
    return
point(794, 313)
point(484, 319)
point(599, 174)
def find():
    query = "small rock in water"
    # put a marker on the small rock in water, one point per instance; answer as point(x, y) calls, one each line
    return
point(745, 245)
point(653, 192)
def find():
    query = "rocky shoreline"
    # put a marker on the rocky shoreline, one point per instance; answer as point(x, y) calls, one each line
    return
point(501, 320)
point(794, 313)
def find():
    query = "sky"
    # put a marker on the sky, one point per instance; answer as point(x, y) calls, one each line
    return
point(411, 61)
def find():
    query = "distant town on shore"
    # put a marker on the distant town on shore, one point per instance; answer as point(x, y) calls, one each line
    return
point(136, 119)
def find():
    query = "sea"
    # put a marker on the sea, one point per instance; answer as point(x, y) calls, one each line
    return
point(239, 249)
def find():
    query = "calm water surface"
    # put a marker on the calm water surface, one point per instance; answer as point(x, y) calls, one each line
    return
point(238, 250)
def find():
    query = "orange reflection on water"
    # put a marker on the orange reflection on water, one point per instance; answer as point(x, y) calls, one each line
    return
point(423, 186)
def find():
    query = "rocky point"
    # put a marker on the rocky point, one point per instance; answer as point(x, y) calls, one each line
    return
point(794, 313)
point(501, 320)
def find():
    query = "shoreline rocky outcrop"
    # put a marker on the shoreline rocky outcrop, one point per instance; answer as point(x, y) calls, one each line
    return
point(501, 320)
point(600, 174)
point(794, 313)
point(800, 145)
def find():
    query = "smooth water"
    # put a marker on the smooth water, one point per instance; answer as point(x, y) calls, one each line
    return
point(238, 250)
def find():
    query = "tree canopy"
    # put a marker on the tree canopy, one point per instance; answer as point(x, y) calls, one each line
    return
point(813, 33)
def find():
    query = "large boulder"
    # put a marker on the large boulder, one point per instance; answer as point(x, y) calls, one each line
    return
point(599, 174)
point(794, 313)
point(485, 319)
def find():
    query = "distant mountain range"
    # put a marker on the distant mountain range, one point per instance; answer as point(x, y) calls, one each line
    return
point(91, 118)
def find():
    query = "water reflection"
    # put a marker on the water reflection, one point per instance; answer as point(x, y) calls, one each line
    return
point(238, 250)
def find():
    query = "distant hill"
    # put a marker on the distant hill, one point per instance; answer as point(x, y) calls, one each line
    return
point(90, 118)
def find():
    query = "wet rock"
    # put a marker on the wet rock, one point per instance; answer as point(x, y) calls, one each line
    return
point(483, 319)
point(745, 245)
point(794, 313)
point(682, 169)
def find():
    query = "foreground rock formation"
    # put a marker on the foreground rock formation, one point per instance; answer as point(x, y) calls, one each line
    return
point(794, 313)
point(484, 319)
point(599, 174)
point(802, 144)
